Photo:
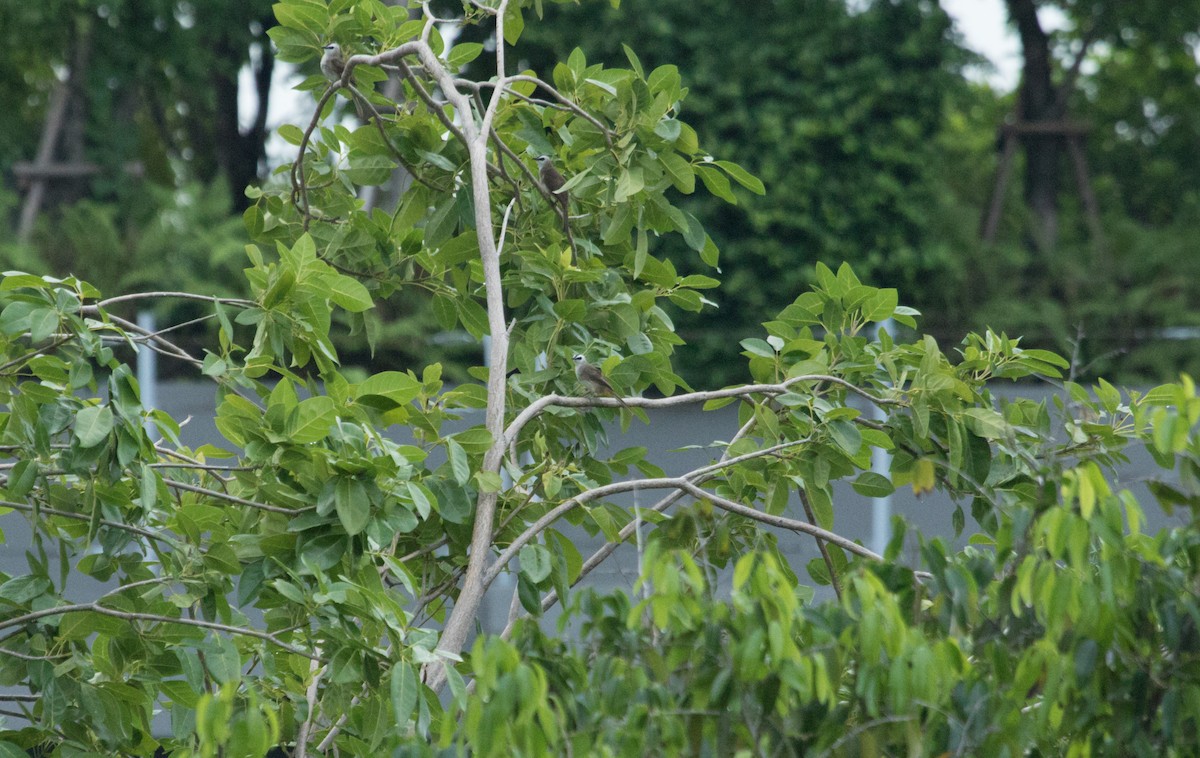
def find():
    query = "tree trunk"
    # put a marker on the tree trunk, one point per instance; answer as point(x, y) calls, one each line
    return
point(1038, 102)
point(239, 154)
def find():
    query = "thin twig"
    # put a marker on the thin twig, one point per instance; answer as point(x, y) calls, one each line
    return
point(152, 617)
point(834, 579)
point(234, 498)
point(537, 406)
point(87, 517)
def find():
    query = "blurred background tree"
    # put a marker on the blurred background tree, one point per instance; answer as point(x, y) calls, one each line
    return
point(150, 136)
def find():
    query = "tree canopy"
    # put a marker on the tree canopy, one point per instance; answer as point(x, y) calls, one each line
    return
point(314, 584)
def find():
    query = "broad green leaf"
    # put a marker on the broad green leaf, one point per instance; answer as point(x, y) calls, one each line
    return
point(535, 562)
point(716, 183)
point(463, 53)
point(743, 177)
point(349, 293)
point(93, 425)
point(369, 170)
point(423, 499)
point(846, 435)
point(311, 419)
point(404, 689)
point(306, 17)
point(986, 423)
point(872, 484)
point(396, 387)
point(353, 507)
point(21, 589)
point(680, 171)
point(571, 310)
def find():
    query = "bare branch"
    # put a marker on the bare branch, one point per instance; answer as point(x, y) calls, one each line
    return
point(315, 670)
point(566, 102)
point(155, 618)
point(235, 301)
point(87, 517)
point(233, 498)
point(537, 406)
point(702, 474)
point(155, 342)
point(834, 579)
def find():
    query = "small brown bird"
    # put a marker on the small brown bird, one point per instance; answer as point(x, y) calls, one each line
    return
point(553, 180)
point(593, 379)
point(333, 65)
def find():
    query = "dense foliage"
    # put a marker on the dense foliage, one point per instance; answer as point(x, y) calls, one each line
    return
point(315, 582)
point(837, 111)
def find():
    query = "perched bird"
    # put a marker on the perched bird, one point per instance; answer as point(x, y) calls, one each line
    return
point(553, 180)
point(332, 62)
point(593, 379)
point(333, 65)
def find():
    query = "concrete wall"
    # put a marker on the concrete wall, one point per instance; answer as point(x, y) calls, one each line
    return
point(669, 430)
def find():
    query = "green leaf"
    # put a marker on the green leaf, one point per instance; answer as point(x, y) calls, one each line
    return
point(1045, 356)
point(458, 461)
point(629, 183)
point(306, 17)
point(571, 310)
point(394, 387)
point(822, 505)
point(353, 507)
point(42, 323)
point(695, 237)
point(634, 62)
point(222, 660)
point(369, 170)
point(404, 689)
point(985, 422)
point(514, 23)
point(709, 252)
point(680, 171)
point(535, 562)
point(463, 53)
point(349, 293)
point(846, 435)
point(93, 425)
point(756, 346)
point(423, 499)
point(311, 419)
point(872, 484)
point(291, 134)
point(21, 589)
point(716, 183)
point(475, 440)
point(743, 177)
point(619, 226)
point(602, 85)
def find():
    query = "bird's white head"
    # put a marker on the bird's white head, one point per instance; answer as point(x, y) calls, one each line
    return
point(333, 47)
point(542, 160)
point(579, 359)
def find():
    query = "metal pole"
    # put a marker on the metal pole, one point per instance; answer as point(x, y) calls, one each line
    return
point(147, 368)
point(881, 463)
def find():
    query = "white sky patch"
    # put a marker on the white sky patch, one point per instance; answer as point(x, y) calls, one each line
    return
point(985, 29)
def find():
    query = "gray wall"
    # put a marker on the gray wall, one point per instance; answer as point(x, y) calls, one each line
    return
point(669, 430)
